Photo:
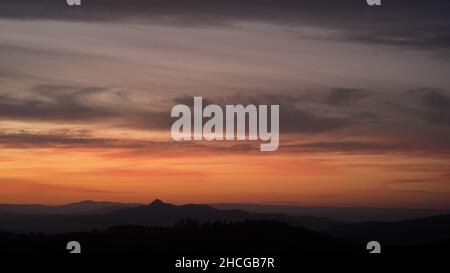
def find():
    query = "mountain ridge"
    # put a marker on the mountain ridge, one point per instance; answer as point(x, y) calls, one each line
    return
point(165, 215)
point(81, 207)
point(156, 213)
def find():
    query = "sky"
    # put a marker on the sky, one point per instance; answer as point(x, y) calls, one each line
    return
point(364, 95)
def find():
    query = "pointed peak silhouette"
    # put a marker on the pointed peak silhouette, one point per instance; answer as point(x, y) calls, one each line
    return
point(157, 202)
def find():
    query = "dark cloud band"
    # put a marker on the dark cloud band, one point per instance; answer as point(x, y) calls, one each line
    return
point(396, 22)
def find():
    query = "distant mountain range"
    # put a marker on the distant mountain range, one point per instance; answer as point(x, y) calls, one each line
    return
point(256, 238)
point(409, 232)
point(128, 225)
point(343, 214)
point(83, 207)
point(339, 214)
point(157, 213)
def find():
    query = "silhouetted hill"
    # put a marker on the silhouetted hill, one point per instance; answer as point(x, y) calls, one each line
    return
point(167, 214)
point(160, 214)
point(83, 207)
point(436, 228)
point(249, 237)
point(161, 228)
point(345, 214)
point(288, 244)
point(156, 213)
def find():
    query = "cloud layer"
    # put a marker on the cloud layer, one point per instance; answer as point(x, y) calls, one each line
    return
point(397, 22)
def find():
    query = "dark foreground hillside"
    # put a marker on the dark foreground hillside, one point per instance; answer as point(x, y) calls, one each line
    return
point(187, 237)
point(259, 237)
point(162, 248)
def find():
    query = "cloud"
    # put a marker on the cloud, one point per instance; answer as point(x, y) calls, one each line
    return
point(67, 104)
point(345, 96)
point(437, 105)
point(53, 103)
point(73, 139)
point(297, 121)
point(21, 186)
point(80, 104)
point(412, 121)
point(428, 104)
point(397, 22)
point(353, 147)
point(292, 119)
point(33, 140)
point(409, 181)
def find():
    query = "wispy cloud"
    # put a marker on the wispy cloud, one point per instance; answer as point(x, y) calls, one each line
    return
point(399, 22)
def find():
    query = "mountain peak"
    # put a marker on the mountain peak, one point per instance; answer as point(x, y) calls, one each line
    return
point(157, 202)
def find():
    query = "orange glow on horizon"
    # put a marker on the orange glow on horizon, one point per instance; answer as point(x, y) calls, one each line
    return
point(61, 175)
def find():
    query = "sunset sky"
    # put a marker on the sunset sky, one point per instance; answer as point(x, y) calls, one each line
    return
point(364, 95)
